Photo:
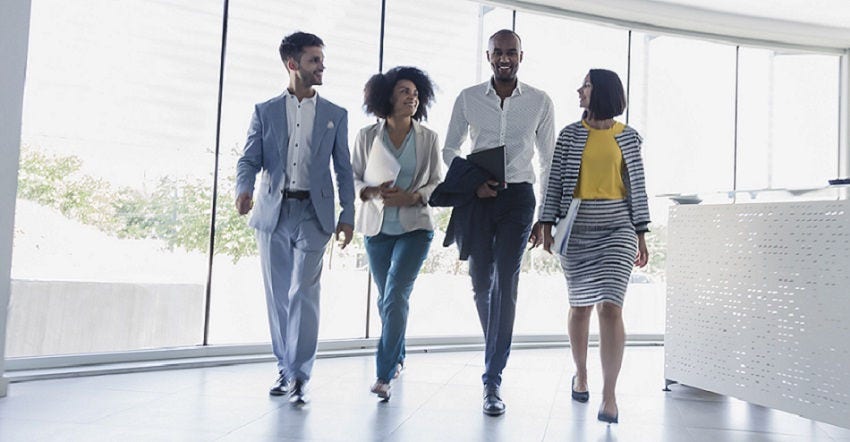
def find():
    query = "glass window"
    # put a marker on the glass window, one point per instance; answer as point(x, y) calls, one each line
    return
point(115, 181)
point(255, 73)
point(682, 98)
point(787, 125)
point(115, 178)
point(683, 103)
point(559, 52)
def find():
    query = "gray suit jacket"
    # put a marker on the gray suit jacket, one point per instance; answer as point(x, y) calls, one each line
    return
point(266, 151)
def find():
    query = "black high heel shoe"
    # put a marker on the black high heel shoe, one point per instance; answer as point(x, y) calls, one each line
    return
point(609, 418)
point(579, 396)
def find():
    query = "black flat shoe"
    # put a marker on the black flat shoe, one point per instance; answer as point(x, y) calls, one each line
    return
point(609, 418)
point(580, 396)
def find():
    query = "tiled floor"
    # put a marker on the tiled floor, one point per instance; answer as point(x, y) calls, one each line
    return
point(438, 398)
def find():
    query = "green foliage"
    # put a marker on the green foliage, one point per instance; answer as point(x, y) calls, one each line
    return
point(177, 210)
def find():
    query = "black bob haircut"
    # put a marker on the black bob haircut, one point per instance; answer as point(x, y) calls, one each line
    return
point(379, 91)
point(292, 46)
point(607, 99)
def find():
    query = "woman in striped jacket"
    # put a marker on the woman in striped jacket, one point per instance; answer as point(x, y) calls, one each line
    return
point(596, 195)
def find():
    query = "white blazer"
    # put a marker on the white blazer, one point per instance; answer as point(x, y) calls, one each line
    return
point(426, 177)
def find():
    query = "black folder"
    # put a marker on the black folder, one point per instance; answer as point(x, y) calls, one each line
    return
point(492, 160)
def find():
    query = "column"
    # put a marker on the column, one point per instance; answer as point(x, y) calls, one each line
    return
point(14, 36)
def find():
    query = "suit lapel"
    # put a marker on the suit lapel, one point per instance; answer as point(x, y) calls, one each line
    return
point(422, 151)
point(321, 124)
point(378, 141)
point(280, 127)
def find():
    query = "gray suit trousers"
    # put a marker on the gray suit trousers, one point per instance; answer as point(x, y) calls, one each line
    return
point(291, 259)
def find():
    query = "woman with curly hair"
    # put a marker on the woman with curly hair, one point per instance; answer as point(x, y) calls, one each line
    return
point(395, 218)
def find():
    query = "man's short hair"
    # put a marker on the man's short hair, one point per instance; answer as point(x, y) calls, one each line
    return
point(607, 99)
point(292, 46)
point(504, 33)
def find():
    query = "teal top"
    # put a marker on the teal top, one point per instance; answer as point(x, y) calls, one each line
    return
point(406, 156)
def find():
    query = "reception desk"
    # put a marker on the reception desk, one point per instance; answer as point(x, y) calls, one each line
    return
point(758, 304)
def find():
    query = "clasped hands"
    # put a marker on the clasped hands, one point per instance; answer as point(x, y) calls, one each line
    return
point(391, 195)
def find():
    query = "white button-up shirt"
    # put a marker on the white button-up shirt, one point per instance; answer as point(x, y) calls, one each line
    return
point(299, 120)
point(526, 118)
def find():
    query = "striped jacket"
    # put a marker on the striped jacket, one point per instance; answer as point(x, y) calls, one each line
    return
point(566, 162)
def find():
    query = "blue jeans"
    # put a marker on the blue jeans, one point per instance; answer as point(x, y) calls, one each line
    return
point(494, 267)
point(395, 261)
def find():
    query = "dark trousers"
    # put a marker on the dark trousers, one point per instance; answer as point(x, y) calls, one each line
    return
point(494, 265)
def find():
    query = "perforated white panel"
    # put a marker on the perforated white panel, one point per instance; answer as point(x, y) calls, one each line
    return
point(758, 304)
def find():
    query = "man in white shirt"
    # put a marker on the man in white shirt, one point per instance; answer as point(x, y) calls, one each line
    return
point(502, 112)
point(292, 140)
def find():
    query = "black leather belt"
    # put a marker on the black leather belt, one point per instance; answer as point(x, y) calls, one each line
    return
point(296, 194)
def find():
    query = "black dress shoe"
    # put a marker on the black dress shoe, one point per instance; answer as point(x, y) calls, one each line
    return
point(280, 387)
point(580, 396)
point(493, 405)
point(298, 396)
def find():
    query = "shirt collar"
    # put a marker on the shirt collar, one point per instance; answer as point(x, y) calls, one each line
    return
point(490, 88)
point(311, 99)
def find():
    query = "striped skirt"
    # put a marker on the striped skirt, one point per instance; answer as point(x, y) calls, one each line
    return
point(600, 253)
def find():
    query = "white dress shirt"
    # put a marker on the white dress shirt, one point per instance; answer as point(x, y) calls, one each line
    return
point(299, 120)
point(527, 118)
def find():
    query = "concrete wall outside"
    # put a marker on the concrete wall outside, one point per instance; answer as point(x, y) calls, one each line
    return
point(71, 317)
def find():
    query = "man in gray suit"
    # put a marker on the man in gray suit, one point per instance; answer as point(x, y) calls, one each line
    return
point(291, 142)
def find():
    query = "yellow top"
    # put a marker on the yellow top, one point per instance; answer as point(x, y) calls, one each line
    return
point(599, 177)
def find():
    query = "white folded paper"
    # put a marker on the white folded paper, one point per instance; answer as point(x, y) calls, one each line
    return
point(381, 166)
point(563, 228)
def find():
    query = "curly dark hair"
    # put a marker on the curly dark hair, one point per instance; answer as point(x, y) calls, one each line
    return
point(292, 46)
point(607, 99)
point(379, 91)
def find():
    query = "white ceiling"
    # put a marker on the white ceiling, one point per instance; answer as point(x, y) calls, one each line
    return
point(800, 23)
point(816, 12)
